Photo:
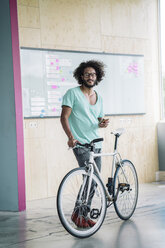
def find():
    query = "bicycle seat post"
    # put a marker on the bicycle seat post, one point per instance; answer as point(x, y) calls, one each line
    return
point(116, 139)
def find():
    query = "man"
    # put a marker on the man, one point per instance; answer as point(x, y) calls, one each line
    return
point(82, 115)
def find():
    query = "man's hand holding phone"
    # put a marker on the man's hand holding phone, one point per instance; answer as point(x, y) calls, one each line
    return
point(103, 122)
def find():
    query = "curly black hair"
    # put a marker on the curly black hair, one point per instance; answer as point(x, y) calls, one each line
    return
point(97, 65)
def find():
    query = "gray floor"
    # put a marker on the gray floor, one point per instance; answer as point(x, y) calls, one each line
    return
point(39, 226)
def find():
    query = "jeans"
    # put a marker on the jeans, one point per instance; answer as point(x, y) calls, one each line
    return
point(82, 155)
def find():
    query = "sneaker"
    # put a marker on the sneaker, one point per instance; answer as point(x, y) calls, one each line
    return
point(90, 222)
point(74, 216)
point(81, 222)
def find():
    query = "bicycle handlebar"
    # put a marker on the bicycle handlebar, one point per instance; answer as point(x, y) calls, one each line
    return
point(117, 134)
point(91, 144)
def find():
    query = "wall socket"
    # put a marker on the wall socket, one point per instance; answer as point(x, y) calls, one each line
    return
point(33, 124)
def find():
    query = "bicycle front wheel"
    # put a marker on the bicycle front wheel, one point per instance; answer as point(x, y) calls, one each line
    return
point(79, 217)
point(125, 189)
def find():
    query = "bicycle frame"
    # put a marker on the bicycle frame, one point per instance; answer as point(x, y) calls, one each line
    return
point(93, 167)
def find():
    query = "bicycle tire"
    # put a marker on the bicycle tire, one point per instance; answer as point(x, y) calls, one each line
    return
point(125, 192)
point(67, 196)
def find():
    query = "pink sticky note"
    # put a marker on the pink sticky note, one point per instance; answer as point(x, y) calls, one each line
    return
point(54, 109)
point(52, 63)
point(57, 60)
point(54, 86)
point(57, 68)
point(129, 69)
point(63, 79)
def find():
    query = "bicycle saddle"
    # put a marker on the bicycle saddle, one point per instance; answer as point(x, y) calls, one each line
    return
point(118, 132)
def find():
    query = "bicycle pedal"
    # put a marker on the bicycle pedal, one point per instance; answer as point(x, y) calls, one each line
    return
point(94, 214)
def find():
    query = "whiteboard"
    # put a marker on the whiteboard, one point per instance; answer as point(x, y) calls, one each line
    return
point(48, 74)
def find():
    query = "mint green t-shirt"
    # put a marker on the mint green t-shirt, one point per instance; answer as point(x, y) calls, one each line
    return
point(83, 120)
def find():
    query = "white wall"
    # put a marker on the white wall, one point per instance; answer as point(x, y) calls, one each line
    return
point(115, 26)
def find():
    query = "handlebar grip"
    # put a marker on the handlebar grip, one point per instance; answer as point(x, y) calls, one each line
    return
point(92, 142)
point(80, 144)
point(97, 140)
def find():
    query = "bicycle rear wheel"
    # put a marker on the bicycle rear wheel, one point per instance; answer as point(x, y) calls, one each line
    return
point(125, 190)
point(71, 201)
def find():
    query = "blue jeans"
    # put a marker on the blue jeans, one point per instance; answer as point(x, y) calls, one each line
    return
point(82, 154)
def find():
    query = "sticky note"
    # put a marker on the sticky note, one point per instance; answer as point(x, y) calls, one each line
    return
point(54, 86)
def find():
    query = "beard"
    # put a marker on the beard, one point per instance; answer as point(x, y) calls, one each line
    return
point(85, 83)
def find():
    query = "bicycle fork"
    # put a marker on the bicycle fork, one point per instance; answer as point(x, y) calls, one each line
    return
point(87, 180)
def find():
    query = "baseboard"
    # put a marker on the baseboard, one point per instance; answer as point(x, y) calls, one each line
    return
point(160, 176)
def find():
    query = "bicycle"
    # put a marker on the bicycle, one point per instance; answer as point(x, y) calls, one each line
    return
point(83, 194)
